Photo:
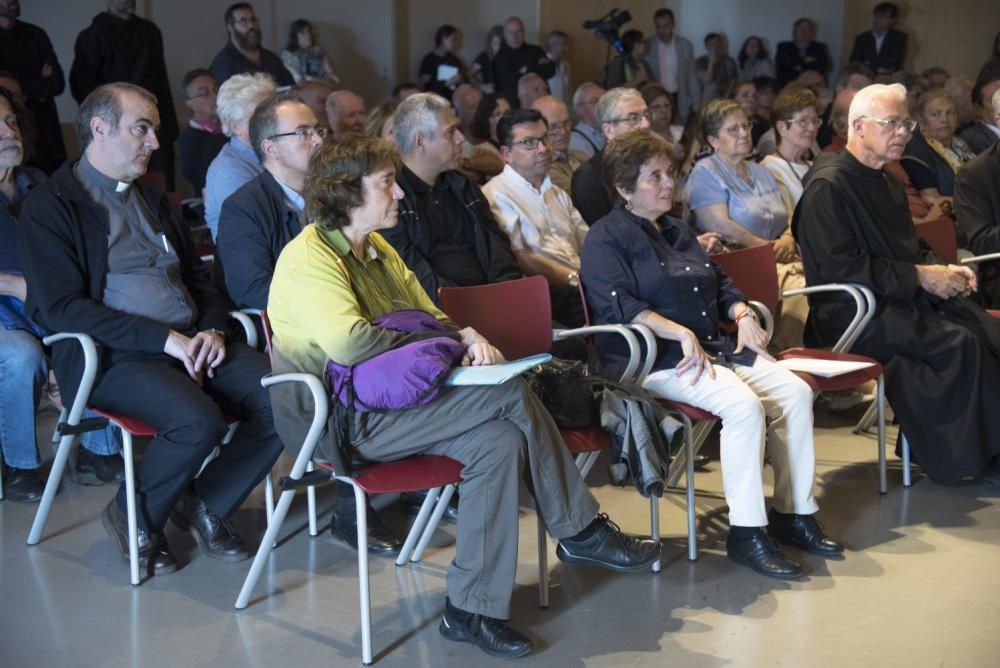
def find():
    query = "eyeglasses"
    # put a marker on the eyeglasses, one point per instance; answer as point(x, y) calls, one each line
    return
point(894, 124)
point(736, 129)
point(807, 122)
point(531, 143)
point(208, 93)
point(303, 134)
point(556, 128)
point(633, 119)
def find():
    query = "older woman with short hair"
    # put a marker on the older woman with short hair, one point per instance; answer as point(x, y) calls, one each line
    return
point(330, 283)
point(661, 110)
point(640, 266)
point(795, 116)
point(935, 153)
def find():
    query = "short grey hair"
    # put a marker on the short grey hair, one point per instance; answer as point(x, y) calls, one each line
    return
point(996, 102)
point(104, 102)
point(581, 90)
point(866, 98)
point(417, 113)
point(609, 102)
point(239, 96)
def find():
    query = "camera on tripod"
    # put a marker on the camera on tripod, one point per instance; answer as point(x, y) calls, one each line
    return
point(606, 28)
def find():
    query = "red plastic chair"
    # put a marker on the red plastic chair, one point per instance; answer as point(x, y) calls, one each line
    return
point(940, 236)
point(516, 317)
point(426, 472)
point(754, 272)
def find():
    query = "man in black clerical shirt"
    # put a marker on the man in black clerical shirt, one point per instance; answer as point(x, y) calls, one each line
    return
point(517, 58)
point(243, 53)
point(941, 351)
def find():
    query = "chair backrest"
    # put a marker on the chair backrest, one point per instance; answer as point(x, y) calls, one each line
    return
point(515, 316)
point(940, 236)
point(155, 179)
point(754, 271)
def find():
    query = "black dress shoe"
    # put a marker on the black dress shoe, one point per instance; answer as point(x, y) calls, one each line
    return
point(802, 531)
point(608, 547)
point(412, 501)
point(154, 555)
point(93, 469)
point(22, 485)
point(493, 636)
point(381, 541)
point(216, 536)
point(763, 554)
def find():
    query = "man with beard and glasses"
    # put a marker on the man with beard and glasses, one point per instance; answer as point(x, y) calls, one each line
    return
point(243, 53)
point(130, 278)
point(120, 46)
point(26, 52)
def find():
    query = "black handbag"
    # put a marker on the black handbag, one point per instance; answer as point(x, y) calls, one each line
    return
point(566, 389)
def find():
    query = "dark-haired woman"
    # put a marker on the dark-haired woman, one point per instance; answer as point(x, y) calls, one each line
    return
point(303, 57)
point(441, 71)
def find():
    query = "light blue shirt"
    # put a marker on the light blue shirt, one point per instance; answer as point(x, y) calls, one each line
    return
point(235, 165)
point(756, 205)
point(581, 133)
point(294, 199)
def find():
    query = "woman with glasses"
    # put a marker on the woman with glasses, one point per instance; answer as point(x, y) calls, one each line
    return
point(641, 266)
point(796, 119)
point(661, 109)
point(935, 153)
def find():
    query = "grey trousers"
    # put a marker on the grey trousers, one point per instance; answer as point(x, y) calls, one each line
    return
point(492, 430)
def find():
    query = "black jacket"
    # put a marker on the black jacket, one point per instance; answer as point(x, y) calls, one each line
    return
point(590, 196)
point(509, 65)
point(229, 61)
point(412, 240)
point(977, 208)
point(979, 138)
point(111, 49)
point(254, 226)
point(63, 245)
point(198, 150)
point(887, 61)
point(790, 63)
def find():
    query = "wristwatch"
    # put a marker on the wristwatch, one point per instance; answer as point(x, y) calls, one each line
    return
point(574, 279)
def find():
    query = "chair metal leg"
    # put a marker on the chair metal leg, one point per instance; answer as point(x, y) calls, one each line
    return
point(689, 451)
point(269, 500)
point(364, 587)
point(543, 564)
point(427, 531)
point(880, 409)
point(654, 529)
point(866, 421)
point(266, 545)
point(311, 504)
point(417, 530)
point(907, 480)
point(51, 485)
point(130, 509)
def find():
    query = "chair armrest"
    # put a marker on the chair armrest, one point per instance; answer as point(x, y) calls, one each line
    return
point(864, 302)
point(634, 352)
point(765, 314)
point(321, 411)
point(243, 317)
point(989, 257)
point(89, 371)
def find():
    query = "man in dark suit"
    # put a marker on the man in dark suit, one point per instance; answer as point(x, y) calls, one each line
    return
point(802, 54)
point(882, 50)
point(982, 135)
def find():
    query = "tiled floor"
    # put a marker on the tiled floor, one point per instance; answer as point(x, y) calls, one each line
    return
point(920, 586)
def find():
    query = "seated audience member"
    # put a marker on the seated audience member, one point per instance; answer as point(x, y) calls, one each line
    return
point(745, 92)
point(530, 87)
point(314, 94)
point(403, 90)
point(379, 123)
point(243, 53)
point(939, 349)
point(795, 116)
point(916, 86)
point(331, 282)
point(641, 266)
point(661, 110)
point(587, 137)
point(130, 278)
point(484, 123)
point(767, 89)
point(716, 69)
point(982, 135)
point(619, 111)
point(934, 153)
point(546, 233)
point(202, 139)
point(481, 72)
point(852, 77)
point(236, 163)
point(629, 69)
point(480, 159)
point(753, 60)
point(558, 83)
point(802, 54)
point(739, 199)
point(517, 58)
point(446, 234)
point(441, 71)
point(936, 77)
point(768, 141)
point(960, 90)
point(465, 100)
point(304, 59)
point(977, 207)
point(883, 48)
point(346, 112)
point(838, 121)
point(564, 160)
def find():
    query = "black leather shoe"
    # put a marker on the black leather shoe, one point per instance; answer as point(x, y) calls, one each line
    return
point(493, 636)
point(216, 536)
point(154, 555)
point(22, 485)
point(610, 548)
point(381, 541)
point(763, 554)
point(802, 531)
point(94, 470)
point(412, 501)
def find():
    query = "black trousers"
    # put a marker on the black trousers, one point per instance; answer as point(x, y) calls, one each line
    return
point(156, 389)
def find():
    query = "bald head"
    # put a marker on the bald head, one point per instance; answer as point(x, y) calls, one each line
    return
point(513, 32)
point(530, 87)
point(346, 112)
point(465, 100)
point(557, 116)
point(585, 100)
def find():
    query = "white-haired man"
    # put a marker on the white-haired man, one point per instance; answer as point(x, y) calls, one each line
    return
point(941, 351)
point(530, 87)
point(236, 163)
point(346, 112)
point(565, 160)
